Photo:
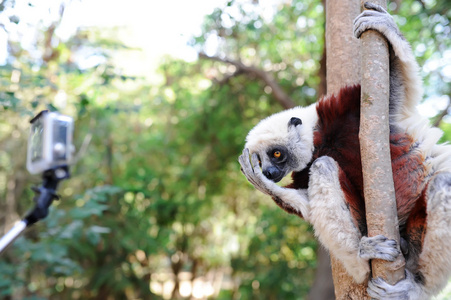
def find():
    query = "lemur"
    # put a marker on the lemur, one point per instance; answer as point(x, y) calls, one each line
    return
point(319, 144)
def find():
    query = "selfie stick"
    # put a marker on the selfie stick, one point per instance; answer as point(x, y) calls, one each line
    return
point(44, 197)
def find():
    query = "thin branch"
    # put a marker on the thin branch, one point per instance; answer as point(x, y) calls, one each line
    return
point(83, 149)
point(423, 5)
point(279, 95)
point(226, 78)
point(50, 52)
point(440, 116)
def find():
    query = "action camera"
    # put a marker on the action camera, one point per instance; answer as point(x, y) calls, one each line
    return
point(50, 142)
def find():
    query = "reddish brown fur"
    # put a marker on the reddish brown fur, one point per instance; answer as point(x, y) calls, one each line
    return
point(414, 233)
point(336, 135)
point(417, 218)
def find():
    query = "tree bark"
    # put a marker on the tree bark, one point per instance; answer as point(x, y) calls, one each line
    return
point(343, 68)
point(374, 135)
point(343, 50)
point(322, 287)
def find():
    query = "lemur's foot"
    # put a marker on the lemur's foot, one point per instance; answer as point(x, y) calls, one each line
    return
point(405, 289)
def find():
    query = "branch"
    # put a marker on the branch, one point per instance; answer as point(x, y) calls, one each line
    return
point(423, 5)
point(226, 79)
point(279, 95)
point(50, 52)
point(374, 136)
point(439, 117)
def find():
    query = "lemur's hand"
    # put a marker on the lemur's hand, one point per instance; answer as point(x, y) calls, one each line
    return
point(251, 169)
point(291, 200)
point(378, 247)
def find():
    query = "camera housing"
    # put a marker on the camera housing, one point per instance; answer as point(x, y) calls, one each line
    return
point(49, 142)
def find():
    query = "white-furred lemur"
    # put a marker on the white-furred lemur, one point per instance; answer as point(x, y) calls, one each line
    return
point(319, 144)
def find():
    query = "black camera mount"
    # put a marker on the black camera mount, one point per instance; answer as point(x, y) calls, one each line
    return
point(45, 194)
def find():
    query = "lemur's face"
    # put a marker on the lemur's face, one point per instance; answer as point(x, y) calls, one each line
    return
point(276, 162)
point(281, 149)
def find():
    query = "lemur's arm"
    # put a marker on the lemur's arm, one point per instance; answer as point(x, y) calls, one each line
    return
point(405, 82)
point(333, 225)
point(291, 200)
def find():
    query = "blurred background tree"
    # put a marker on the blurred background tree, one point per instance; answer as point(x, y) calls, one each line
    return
point(156, 206)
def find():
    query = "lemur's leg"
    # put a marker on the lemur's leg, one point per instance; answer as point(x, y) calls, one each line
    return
point(333, 223)
point(434, 264)
point(405, 83)
point(435, 258)
point(292, 200)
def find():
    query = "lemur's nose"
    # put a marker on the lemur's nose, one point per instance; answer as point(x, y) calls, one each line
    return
point(272, 173)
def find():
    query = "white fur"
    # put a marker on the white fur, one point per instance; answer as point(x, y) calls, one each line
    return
point(332, 220)
point(273, 131)
point(435, 259)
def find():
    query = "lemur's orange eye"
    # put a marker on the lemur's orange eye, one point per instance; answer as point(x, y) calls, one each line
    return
point(277, 154)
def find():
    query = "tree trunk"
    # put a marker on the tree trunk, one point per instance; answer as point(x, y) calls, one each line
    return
point(343, 68)
point(374, 135)
point(323, 286)
point(343, 50)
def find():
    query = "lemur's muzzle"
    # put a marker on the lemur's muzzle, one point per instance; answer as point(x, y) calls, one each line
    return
point(273, 173)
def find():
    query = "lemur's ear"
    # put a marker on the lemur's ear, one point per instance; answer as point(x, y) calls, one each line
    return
point(294, 122)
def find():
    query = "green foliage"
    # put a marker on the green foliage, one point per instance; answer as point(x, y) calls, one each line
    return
point(157, 197)
point(287, 42)
point(428, 29)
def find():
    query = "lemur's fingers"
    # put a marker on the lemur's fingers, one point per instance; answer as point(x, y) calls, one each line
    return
point(246, 166)
point(373, 6)
point(377, 18)
point(378, 247)
point(255, 163)
point(261, 182)
point(242, 161)
point(370, 19)
point(372, 9)
point(251, 169)
point(365, 16)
